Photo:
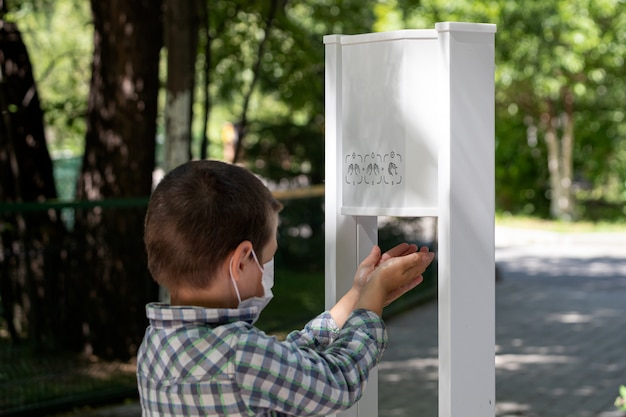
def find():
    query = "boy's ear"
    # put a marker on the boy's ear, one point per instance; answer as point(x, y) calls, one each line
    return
point(239, 257)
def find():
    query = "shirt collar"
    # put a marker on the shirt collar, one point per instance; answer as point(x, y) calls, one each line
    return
point(165, 315)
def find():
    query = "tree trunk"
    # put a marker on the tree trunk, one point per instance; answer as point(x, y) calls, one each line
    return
point(567, 159)
point(206, 71)
point(560, 163)
point(29, 245)
point(118, 163)
point(181, 41)
point(241, 126)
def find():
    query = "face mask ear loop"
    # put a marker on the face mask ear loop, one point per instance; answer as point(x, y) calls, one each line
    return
point(257, 261)
point(230, 272)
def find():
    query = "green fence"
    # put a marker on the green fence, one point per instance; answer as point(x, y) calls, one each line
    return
point(37, 376)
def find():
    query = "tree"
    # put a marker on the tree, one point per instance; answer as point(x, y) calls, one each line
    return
point(559, 71)
point(118, 163)
point(181, 41)
point(28, 255)
point(553, 69)
point(60, 33)
point(267, 80)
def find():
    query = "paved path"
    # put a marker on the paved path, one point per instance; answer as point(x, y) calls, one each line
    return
point(560, 332)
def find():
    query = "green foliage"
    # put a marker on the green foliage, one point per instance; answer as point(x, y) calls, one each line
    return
point(293, 287)
point(284, 136)
point(521, 172)
point(301, 235)
point(620, 402)
point(555, 54)
point(546, 54)
point(549, 55)
point(58, 35)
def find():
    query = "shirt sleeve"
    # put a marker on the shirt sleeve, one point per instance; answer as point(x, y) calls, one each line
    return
point(300, 379)
point(316, 334)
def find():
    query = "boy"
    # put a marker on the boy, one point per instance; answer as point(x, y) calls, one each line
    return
point(210, 235)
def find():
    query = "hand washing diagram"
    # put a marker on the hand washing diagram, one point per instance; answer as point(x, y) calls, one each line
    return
point(373, 169)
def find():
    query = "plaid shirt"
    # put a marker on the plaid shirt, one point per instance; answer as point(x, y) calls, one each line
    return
point(212, 362)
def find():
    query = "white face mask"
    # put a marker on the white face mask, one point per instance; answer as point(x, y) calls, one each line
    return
point(268, 282)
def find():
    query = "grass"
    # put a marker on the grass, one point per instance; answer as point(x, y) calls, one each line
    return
point(525, 222)
point(32, 381)
point(298, 297)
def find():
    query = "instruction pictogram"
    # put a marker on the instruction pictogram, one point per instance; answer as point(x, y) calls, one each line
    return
point(373, 169)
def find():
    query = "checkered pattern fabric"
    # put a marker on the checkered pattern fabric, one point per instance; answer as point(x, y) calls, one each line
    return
point(212, 362)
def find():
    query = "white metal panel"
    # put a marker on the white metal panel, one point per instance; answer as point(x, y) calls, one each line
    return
point(389, 124)
point(427, 96)
point(389, 36)
point(367, 237)
point(332, 196)
point(466, 225)
point(340, 231)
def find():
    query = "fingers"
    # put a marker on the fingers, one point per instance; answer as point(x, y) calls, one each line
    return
point(401, 271)
point(400, 291)
point(373, 258)
point(417, 263)
point(405, 259)
point(392, 278)
point(402, 249)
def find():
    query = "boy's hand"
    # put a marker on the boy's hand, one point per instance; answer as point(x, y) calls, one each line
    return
point(412, 272)
point(392, 278)
point(374, 259)
point(368, 270)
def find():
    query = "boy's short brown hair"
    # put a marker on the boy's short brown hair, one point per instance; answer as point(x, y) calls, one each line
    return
point(198, 214)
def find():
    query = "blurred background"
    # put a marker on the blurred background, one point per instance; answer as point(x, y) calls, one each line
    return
point(99, 99)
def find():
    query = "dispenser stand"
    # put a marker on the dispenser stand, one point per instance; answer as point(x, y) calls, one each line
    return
point(410, 132)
